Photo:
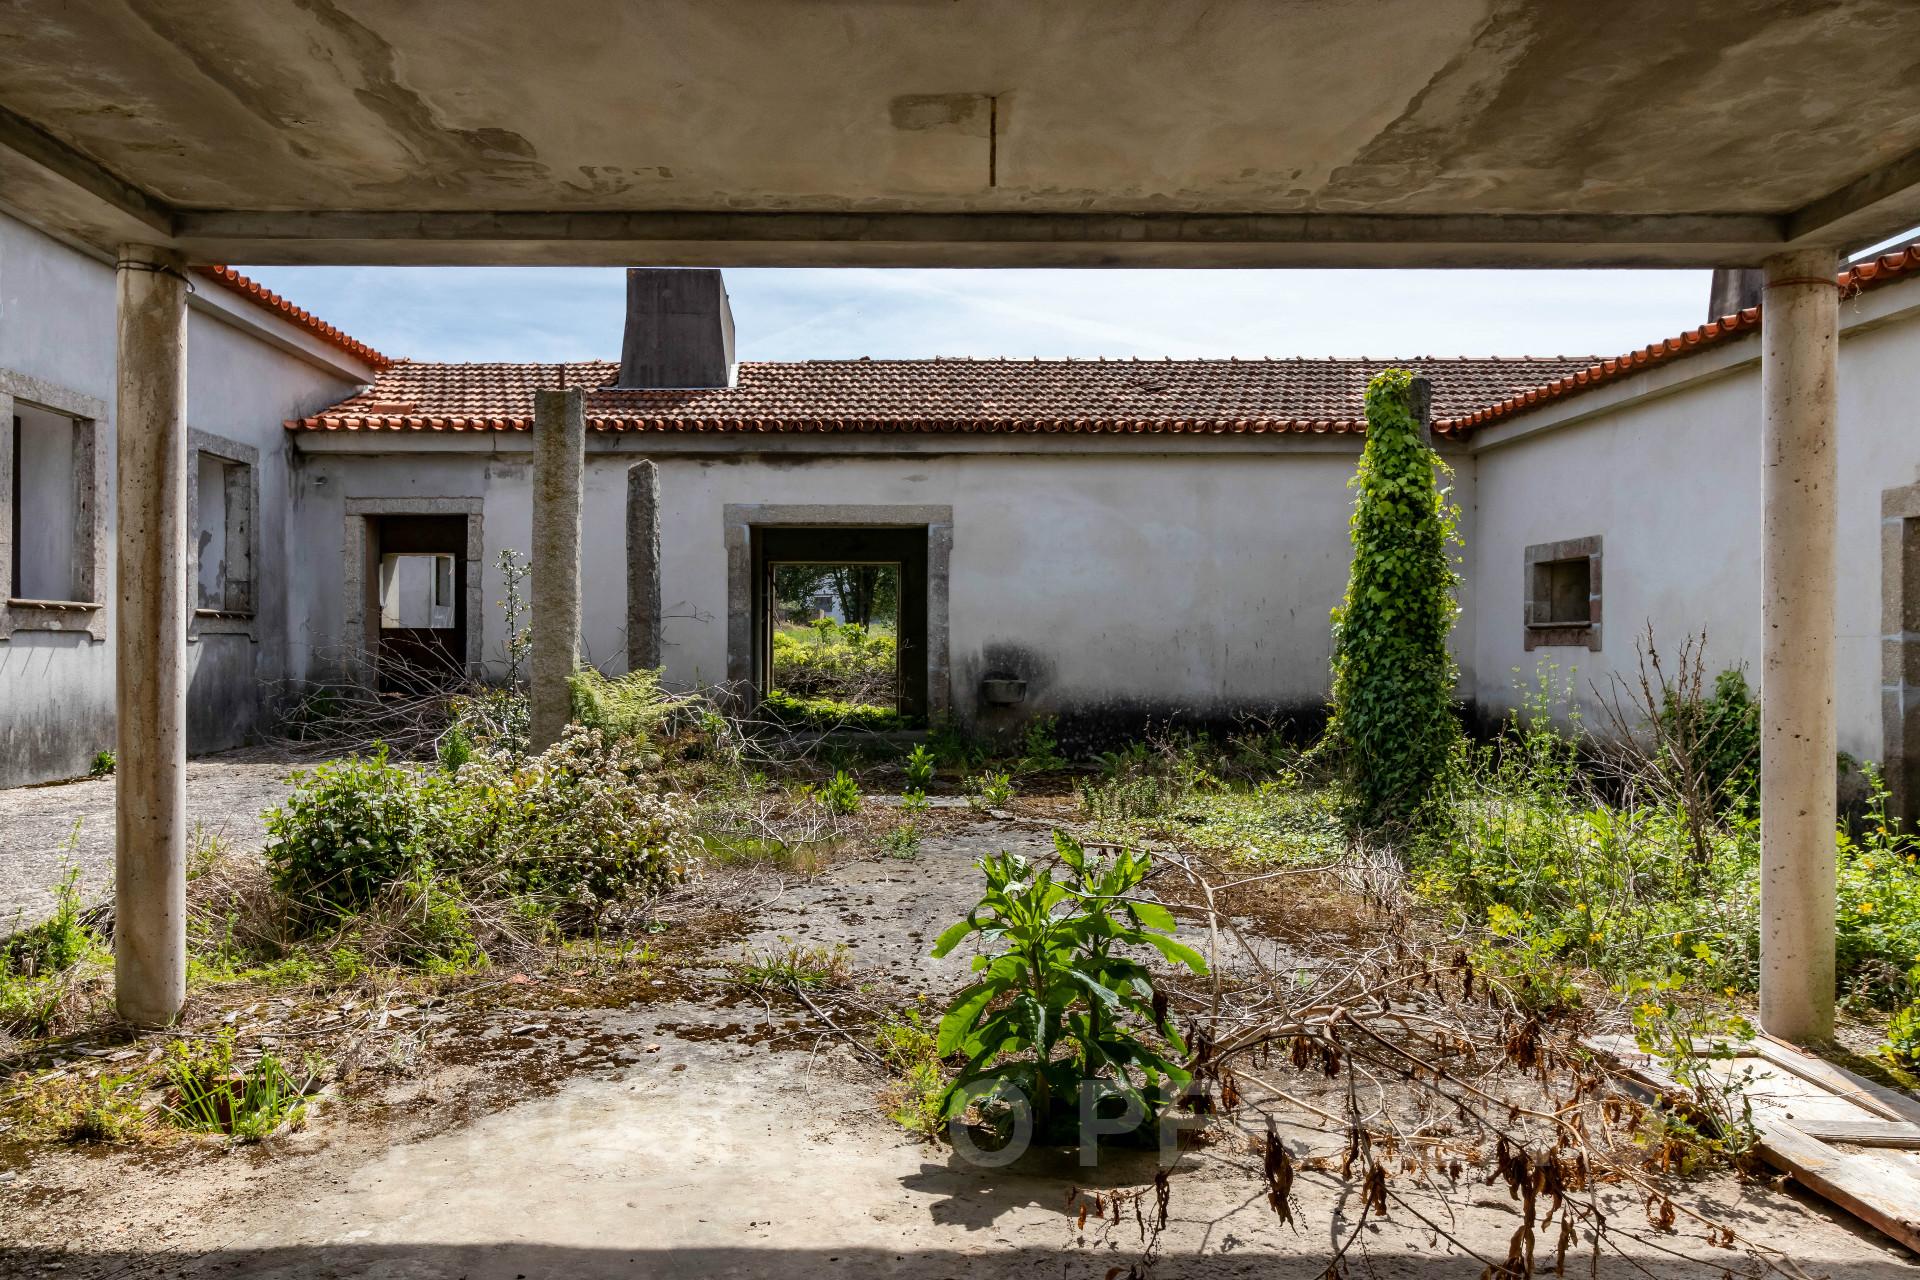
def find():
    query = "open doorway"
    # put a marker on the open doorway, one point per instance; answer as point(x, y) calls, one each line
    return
point(840, 618)
point(419, 605)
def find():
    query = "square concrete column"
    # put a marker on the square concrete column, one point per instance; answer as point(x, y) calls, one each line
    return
point(150, 639)
point(559, 468)
point(1799, 376)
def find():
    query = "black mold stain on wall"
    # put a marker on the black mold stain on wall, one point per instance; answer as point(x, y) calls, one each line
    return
point(1088, 723)
point(1084, 728)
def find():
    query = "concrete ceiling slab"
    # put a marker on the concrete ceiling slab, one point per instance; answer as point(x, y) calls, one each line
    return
point(971, 131)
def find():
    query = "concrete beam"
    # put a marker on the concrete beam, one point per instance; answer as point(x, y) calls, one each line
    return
point(1872, 207)
point(559, 468)
point(150, 639)
point(1799, 392)
point(729, 238)
point(70, 196)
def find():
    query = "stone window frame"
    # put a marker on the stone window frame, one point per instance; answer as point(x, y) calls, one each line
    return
point(1542, 632)
point(354, 572)
point(90, 541)
point(737, 523)
point(239, 622)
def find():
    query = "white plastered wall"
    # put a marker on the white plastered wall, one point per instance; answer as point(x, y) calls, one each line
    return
point(1118, 580)
point(247, 373)
point(1665, 468)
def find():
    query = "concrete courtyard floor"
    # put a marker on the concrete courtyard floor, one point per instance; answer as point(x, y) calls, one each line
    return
point(44, 829)
point(701, 1136)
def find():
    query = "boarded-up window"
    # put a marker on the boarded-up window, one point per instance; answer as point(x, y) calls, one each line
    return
point(1568, 590)
point(1563, 593)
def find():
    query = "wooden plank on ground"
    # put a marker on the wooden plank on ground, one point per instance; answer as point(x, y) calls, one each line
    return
point(1869, 1188)
point(1896, 1134)
point(1888, 1103)
point(1808, 1106)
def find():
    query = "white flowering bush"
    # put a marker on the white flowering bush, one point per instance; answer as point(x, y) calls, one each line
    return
point(583, 824)
point(582, 827)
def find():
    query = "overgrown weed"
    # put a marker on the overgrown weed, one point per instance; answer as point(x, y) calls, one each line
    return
point(795, 966)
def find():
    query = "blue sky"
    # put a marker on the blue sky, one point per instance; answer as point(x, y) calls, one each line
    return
point(526, 313)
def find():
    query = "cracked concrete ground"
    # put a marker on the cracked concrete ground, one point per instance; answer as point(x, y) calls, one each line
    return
point(44, 830)
point(707, 1135)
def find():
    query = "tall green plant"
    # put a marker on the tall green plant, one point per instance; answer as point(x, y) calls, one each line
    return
point(1393, 678)
point(1059, 1002)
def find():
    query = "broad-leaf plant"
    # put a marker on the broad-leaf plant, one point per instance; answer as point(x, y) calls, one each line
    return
point(1062, 996)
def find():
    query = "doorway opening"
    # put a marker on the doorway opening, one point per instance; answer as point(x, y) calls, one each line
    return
point(418, 609)
point(840, 620)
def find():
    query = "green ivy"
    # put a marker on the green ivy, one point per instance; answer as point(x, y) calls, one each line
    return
point(1393, 678)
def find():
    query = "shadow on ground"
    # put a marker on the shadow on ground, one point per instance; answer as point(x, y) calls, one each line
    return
point(549, 1262)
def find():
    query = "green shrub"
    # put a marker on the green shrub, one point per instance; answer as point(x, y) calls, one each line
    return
point(902, 842)
point(952, 747)
point(1525, 843)
point(989, 790)
point(57, 943)
point(1124, 799)
point(491, 720)
point(841, 662)
point(1903, 1032)
point(842, 795)
point(67, 1108)
point(436, 931)
point(794, 966)
point(1060, 1002)
point(1393, 677)
point(627, 706)
point(454, 749)
point(103, 766)
point(1040, 748)
point(914, 1097)
point(351, 828)
point(1725, 733)
point(919, 768)
point(828, 714)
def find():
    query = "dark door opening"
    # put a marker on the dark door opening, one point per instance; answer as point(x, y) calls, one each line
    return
point(418, 612)
point(806, 583)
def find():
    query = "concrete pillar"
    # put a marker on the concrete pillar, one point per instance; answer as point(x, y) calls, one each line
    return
point(559, 467)
point(150, 639)
point(1798, 390)
point(643, 565)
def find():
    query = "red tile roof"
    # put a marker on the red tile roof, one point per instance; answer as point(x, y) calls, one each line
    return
point(1206, 397)
point(1201, 397)
point(1867, 275)
point(261, 296)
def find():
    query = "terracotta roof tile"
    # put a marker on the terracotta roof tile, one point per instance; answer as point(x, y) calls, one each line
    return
point(1206, 397)
point(261, 296)
point(1201, 397)
point(1867, 275)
